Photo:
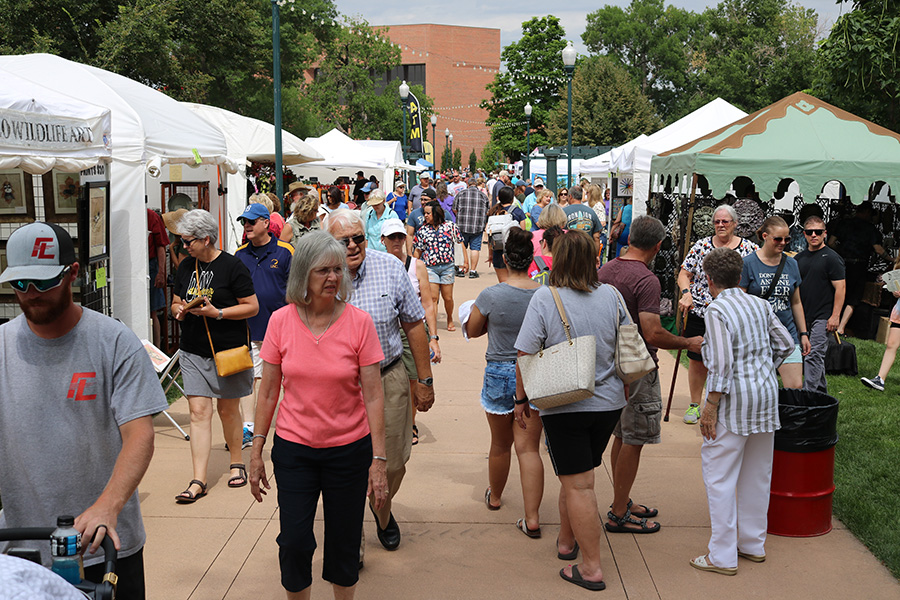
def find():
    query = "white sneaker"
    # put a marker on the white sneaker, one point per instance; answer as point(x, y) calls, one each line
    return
point(692, 414)
point(875, 383)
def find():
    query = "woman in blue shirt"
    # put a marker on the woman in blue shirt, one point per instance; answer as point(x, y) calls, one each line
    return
point(784, 295)
point(397, 200)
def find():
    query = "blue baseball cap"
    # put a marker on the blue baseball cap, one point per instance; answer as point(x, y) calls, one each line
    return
point(254, 211)
point(368, 187)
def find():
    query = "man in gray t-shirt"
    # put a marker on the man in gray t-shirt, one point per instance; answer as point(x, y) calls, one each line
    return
point(77, 395)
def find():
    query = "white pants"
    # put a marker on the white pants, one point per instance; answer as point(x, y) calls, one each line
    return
point(737, 472)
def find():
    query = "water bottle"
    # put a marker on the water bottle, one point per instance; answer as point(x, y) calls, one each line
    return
point(65, 548)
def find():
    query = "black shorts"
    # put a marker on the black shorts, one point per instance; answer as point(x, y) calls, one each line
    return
point(497, 259)
point(577, 440)
point(695, 326)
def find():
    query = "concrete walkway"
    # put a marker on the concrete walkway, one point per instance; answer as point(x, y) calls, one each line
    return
point(223, 547)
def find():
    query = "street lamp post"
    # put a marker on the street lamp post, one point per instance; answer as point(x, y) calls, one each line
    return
point(433, 140)
point(404, 96)
point(526, 172)
point(568, 56)
point(447, 143)
point(276, 74)
point(451, 150)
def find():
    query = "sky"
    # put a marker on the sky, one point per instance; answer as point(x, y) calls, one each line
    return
point(509, 18)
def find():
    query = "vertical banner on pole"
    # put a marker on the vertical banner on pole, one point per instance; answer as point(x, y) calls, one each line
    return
point(416, 140)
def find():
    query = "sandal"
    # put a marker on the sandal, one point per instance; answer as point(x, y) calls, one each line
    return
point(415, 436)
point(523, 527)
point(242, 476)
point(570, 556)
point(622, 524)
point(487, 500)
point(187, 497)
point(643, 512)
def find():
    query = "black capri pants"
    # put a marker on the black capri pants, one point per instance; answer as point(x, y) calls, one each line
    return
point(341, 475)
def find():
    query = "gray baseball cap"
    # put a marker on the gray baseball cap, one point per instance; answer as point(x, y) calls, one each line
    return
point(38, 251)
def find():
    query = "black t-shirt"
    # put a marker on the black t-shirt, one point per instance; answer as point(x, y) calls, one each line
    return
point(818, 269)
point(358, 196)
point(223, 281)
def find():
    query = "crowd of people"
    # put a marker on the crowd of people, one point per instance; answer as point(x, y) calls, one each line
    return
point(331, 316)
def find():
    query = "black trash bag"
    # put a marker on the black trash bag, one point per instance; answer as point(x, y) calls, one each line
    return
point(808, 421)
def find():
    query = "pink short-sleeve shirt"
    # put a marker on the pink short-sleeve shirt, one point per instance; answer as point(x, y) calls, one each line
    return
point(323, 404)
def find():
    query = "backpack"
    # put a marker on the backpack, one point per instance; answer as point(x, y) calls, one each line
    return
point(543, 275)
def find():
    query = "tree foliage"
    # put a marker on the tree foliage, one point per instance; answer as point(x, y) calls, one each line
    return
point(608, 107)
point(473, 161)
point(859, 67)
point(534, 73)
point(655, 44)
point(457, 158)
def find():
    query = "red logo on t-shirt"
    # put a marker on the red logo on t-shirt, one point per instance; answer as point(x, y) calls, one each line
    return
point(42, 247)
point(79, 382)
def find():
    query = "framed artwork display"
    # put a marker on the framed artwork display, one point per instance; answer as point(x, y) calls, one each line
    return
point(96, 216)
point(62, 193)
point(16, 196)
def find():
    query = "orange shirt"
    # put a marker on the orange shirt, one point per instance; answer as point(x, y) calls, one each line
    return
point(323, 403)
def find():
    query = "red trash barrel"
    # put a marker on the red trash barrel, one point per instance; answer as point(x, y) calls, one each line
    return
point(803, 464)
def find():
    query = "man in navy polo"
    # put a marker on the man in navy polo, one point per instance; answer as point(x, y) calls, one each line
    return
point(269, 262)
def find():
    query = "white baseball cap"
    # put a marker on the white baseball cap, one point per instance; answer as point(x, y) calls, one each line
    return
point(38, 251)
point(392, 226)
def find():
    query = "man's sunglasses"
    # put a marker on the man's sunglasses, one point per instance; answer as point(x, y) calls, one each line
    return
point(246, 221)
point(818, 232)
point(41, 285)
point(357, 239)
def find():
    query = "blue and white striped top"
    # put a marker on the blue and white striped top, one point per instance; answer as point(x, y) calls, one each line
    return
point(744, 343)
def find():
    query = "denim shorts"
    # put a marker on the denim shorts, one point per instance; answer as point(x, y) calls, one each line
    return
point(498, 395)
point(472, 241)
point(444, 274)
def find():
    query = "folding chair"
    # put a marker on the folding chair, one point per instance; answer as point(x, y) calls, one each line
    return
point(168, 370)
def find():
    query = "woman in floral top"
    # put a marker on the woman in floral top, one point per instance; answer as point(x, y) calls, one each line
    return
point(695, 295)
point(434, 244)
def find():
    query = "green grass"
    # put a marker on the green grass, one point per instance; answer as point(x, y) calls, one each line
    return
point(173, 394)
point(867, 456)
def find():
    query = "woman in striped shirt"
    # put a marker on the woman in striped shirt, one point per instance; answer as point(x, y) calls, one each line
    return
point(744, 343)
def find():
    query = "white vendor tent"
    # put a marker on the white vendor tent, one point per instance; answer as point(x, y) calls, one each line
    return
point(603, 165)
point(345, 156)
point(41, 129)
point(249, 139)
point(148, 129)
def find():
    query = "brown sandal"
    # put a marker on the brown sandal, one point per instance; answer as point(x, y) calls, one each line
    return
point(242, 477)
point(190, 498)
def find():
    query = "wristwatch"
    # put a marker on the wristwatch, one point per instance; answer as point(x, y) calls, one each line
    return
point(429, 381)
point(435, 338)
point(685, 291)
point(219, 316)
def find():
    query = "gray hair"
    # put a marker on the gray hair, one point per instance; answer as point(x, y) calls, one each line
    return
point(376, 193)
point(724, 266)
point(727, 208)
point(646, 232)
point(576, 193)
point(472, 182)
point(198, 223)
point(342, 217)
point(313, 250)
point(553, 214)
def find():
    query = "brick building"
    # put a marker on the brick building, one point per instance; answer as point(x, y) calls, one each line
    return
point(454, 65)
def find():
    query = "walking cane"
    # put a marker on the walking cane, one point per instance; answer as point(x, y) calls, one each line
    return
point(683, 323)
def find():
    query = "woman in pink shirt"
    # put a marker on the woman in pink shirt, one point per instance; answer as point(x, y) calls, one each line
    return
point(329, 435)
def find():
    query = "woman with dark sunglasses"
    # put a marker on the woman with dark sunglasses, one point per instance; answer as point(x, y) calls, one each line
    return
point(758, 279)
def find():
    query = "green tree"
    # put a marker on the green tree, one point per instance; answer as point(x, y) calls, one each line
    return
point(534, 73)
point(608, 107)
point(655, 44)
point(473, 161)
point(859, 68)
point(489, 157)
point(446, 159)
point(457, 158)
point(755, 52)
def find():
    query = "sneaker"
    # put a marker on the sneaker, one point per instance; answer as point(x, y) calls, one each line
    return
point(248, 438)
point(473, 274)
point(875, 383)
point(692, 415)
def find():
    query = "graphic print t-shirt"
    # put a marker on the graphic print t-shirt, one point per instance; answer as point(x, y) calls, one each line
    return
point(756, 278)
point(223, 281)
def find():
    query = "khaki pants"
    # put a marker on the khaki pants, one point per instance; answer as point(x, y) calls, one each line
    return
point(397, 431)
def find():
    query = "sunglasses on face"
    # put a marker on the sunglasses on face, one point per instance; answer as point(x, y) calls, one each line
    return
point(396, 237)
point(356, 239)
point(250, 221)
point(723, 221)
point(187, 243)
point(780, 240)
point(813, 231)
point(41, 285)
point(563, 194)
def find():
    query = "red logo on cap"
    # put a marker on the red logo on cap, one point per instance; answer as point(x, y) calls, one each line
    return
point(42, 247)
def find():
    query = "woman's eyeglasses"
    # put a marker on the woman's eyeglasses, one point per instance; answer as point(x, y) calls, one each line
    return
point(356, 239)
point(723, 221)
point(187, 243)
point(780, 240)
point(41, 285)
point(818, 232)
